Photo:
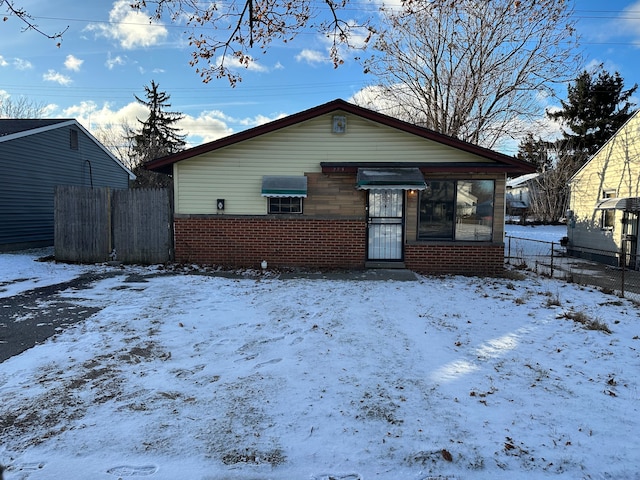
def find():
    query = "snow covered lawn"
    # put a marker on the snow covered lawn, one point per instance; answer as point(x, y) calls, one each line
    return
point(190, 376)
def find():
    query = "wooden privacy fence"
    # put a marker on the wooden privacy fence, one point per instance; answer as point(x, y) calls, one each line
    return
point(99, 224)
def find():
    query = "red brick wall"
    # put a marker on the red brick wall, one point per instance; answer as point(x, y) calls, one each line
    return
point(287, 242)
point(454, 258)
point(315, 243)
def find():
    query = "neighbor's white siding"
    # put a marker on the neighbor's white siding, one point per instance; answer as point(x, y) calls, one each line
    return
point(235, 173)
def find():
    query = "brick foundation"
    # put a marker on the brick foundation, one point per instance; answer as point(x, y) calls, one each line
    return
point(315, 243)
point(287, 242)
point(456, 259)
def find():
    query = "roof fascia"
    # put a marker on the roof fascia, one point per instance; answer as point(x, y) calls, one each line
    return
point(34, 131)
point(425, 167)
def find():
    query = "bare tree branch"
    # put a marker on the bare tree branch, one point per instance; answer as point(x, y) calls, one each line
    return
point(473, 69)
point(223, 34)
point(21, 107)
point(27, 19)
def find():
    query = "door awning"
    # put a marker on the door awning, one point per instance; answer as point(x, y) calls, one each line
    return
point(627, 204)
point(390, 178)
point(284, 186)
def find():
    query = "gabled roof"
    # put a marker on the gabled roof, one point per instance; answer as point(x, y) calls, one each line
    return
point(11, 129)
point(508, 163)
point(611, 139)
point(522, 180)
point(9, 126)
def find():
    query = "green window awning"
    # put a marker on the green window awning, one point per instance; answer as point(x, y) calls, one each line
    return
point(284, 186)
point(390, 178)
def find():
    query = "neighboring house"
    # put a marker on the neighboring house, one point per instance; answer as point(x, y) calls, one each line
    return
point(340, 186)
point(519, 194)
point(604, 204)
point(36, 156)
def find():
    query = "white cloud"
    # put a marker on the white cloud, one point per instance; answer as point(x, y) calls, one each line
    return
point(232, 63)
point(259, 120)
point(312, 57)
point(22, 64)
point(53, 76)
point(130, 28)
point(206, 127)
point(3, 62)
point(358, 39)
point(114, 61)
point(630, 20)
point(73, 63)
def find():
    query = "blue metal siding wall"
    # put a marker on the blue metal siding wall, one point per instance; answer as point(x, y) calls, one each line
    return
point(31, 167)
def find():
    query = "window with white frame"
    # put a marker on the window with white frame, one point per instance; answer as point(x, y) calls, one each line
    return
point(608, 216)
point(285, 205)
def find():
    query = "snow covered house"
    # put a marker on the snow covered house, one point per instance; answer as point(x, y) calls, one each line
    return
point(340, 186)
point(37, 155)
point(604, 203)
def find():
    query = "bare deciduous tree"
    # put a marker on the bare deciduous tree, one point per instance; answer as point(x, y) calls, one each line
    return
point(117, 138)
point(549, 195)
point(20, 107)
point(473, 69)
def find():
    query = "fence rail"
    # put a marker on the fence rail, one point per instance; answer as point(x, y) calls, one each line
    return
point(552, 259)
point(95, 225)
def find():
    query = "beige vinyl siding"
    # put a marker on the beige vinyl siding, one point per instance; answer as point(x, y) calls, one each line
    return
point(235, 173)
point(616, 167)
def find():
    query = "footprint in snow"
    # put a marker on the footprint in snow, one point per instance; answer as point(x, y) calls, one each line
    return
point(130, 471)
point(269, 362)
point(23, 470)
point(349, 476)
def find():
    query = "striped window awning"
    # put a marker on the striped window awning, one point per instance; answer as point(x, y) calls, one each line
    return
point(284, 186)
point(390, 178)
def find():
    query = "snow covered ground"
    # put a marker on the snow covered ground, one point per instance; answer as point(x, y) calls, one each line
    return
point(192, 376)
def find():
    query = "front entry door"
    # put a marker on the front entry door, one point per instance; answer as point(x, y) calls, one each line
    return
point(385, 225)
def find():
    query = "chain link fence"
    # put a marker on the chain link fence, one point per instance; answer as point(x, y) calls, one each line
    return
point(551, 259)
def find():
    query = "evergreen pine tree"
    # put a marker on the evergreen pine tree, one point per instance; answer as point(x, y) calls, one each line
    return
point(536, 151)
point(597, 106)
point(157, 136)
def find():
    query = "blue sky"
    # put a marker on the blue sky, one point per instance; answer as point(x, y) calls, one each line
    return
point(108, 54)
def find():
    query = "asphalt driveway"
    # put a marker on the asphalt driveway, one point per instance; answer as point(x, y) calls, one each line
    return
point(35, 315)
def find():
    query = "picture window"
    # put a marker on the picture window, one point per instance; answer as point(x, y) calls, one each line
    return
point(460, 210)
